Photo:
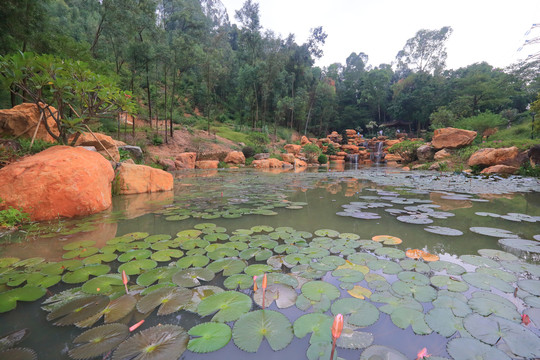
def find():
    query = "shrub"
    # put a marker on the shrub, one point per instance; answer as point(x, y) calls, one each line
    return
point(157, 140)
point(322, 159)
point(406, 149)
point(331, 150)
point(12, 217)
point(481, 122)
point(311, 151)
point(248, 152)
point(249, 160)
point(528, 170)
point(441, 118)
point(276, 156)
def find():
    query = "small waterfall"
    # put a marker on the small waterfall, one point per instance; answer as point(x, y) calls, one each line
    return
point(352, 158)
point(376, 154)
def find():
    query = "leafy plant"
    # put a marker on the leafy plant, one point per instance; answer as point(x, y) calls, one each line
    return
point(311, 151)
point(157, 140)
point(406, 149)
point(481, 122)
point(331, 150)
point(12, 217)
point(322, 159)
point(528, 170)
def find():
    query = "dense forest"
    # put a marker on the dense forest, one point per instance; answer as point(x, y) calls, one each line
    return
point(178, 57)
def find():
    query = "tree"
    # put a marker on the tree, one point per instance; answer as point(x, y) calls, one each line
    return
point(425, 52)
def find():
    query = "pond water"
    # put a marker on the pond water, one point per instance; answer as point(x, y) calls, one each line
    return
point(316, 225)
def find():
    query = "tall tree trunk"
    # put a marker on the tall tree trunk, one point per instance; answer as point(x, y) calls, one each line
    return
point(172, 101)
point(165, 112)
point(97, 35)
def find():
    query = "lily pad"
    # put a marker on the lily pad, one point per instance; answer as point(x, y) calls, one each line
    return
point(493, 232)
point(257, 269)
point(230, 305)
point(402, 317)
point(102, 284)
point(135, 267)
point(83, 274)
point(348, 275)
point(381, 352)
point(497, 255)
point(387, 267)
point(387, 239)
point(414, 265)
point(522, 245)
point(98, 341)
point(158, 342)
point(192, 277)
point(241, 281)
point(449, 282)
point(314, 289)
point(8, 299)
point(78, 310)
point(486, 282)
point(489, 305)
point(361, 313)
point(192, 261)
point(228, 266)
point(208, 337)
point(251, 328)
point(520, 340)
point(390, 252)
point(421, 293)
point(415, 219)
point(200, 293)
point(160, 274)
point(444, 322)
point(449, 267)
point(327, 232)
point(458, 306)
point(169, 300)
point(531, 286)
point(465, 348)
point(441, 230)
point(317, 324)
point(284, 295)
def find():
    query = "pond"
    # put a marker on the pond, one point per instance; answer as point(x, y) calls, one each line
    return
point(411, 259)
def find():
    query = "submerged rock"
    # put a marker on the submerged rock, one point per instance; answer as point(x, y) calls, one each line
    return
point(61, 181)
point(137, 179)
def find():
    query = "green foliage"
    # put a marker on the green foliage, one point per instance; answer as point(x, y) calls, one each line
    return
point(331, 150)
point(38, 145)
point(481, 122)
point(124, 154)
point(157, 140)
point(276, 156)
point(248, 152)
point(322, 159)
point(441, 118)
point(528, 170)
point(406, 149)
point(249, 160)
point(11, 217)
point(311, 151)
point(465, 153)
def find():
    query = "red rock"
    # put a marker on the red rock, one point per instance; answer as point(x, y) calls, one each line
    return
point(350, 132)
point(137, 179)
point(304, 141)
point(186, 160)
point(442, 154)
point(341, 153)
point(490, 156)
point(169, 164)
point(61, 181)
point(500, 169)
point(388, 143)
point(425, 153)
point(393, 157)
point(206, 164)
point(452, 138)
point(275, 163)
point(293, 149)
point(235, 157)
point(353, 149)
point(289, 158)
point(299, 163)
point(21, 121)
point(109, 144)
point(261, 164)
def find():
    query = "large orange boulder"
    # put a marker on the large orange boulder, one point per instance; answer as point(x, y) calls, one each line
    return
point(293, 149)
point(288, 158)
point(299, 163)
point(235, 157)
point(304, 141)
point(186, 160)
point(137, 179)
point(21, 121)
point(490, 156)
point(452, 138)
point(105, 146)
point(61, 181)
point(500, 169)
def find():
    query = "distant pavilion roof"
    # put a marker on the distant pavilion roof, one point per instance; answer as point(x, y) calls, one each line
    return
point(396, 123)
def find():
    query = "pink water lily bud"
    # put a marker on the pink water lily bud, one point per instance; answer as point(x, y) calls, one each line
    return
point(337, 327)
point(422, 354)
point(255, 283)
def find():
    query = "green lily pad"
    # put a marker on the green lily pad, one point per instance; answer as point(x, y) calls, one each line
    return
point(98, 341)
point(199, 294)
point(352, 339)
point(493, 232)
point(314, 289)
point(421, 293)
point(286, 248)
point(208, 337)
point(236, 281)
point(297, 258)
point(415, 265)
point(314, 252)
point(486, 282)
point(134, 255)
point(387, 266)
point(403, 317)
point(257, 269)
point(450, 268)
point(259, 254)
point(262, 228)
point(444, 322)
point(7, 261)
point(381, 352)
point(99, 258)
point(487, 305)
point(361, 312)
point(192, 261)
point(326, 232)
point(465, 348)
point(251, 328)
point(230, 305)
point(451, 283)
point(102, 284)
point(277, 262)
point(361, 258)
point(479, 261)
point(80, 252)
point(520, 245)
point(160, 274)
point(135, 267)
point(158, 237)
point(413, 278)
point(390, 252)
point(531, 286)
point(348, 275)
point(321, 306)
point(83, 274)
point(189, 234)
point(169, 300)
point(318, 324)
point(392, 303)
point(8, 299)
point(79, 244)
point(497, 255)
point(457, 306)
point(158, 342)
point(441, 230)
point(228, 266)
point(284, 295)
point(192, 277)
point(492, 329)
point(166, 255)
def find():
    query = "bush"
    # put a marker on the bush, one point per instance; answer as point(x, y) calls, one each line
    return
point(108, 125)
point(528, 170)
point(311, 151)
point(322, 159)
point(38, 146)
point(249, 160)
point(12, 217)
point(331, 150)
point(157, 140)
point(441, 118)
point(481, 122)
point(276, 156)
point(248, 152)
point(406, 149)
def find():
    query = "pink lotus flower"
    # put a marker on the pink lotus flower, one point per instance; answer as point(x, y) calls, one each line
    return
point(422, 354)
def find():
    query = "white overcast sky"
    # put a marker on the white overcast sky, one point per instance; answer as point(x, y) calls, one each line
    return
point(484, 30)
